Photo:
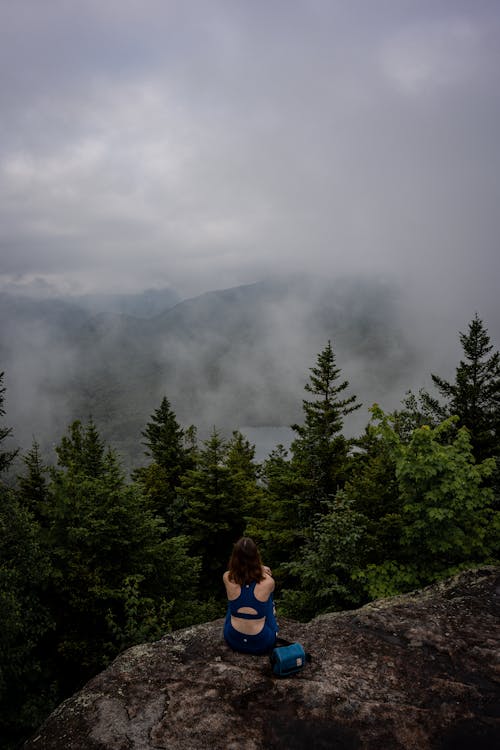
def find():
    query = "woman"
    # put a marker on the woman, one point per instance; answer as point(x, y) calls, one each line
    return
point(250, 625)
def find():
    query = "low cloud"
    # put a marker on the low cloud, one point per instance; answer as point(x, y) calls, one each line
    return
point(202, 146)
point(206, 146)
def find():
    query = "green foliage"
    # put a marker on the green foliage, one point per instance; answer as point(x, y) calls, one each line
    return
point(32, 486)
point(164, 439)
point(320, 452)
point(414, 510)
point(324, 416)
point(91, 564)
point(145, 613)
point(388, 578)
point(82, 450)
point(305, 488)
point(281, 522)
point(6, 457)
point(85, 571)
point(446, 508)
point(218, 495)
point(474, 396)
point(418, 411)
point(109, 557)
point(245, 475)
point(446, 518)
point(173, 452)
point(325, 571)
point(374, 493)
point(26, 693)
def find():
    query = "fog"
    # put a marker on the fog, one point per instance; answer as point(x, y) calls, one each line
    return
point(193, 146)
point(232, 359)
point(204, 145)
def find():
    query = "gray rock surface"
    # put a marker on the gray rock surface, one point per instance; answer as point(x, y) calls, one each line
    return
point(415, 671)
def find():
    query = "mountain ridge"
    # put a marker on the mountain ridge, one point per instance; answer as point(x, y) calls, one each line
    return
point(229, 357)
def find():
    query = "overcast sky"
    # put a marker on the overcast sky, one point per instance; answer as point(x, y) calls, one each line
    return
point(207, 143)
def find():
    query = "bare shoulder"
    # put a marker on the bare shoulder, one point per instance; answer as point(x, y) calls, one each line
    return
point(265, 587)
point(232, 588)
point(268, 580)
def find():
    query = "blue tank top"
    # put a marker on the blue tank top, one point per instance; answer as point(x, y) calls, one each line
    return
point(247, 599)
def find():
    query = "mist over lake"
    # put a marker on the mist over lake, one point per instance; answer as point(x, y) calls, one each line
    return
point(230, 359)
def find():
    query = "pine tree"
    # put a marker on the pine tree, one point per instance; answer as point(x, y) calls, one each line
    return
point(299, 490)
point(114, 578)
point(245, 473)
point(6, 457)
point(214, 507)
point(279, 526)
point(33, 484)
point(418, 410)
point(320, 451)
point(172, 451)
point(373, 492)
point(24, 620)
point(26, 692)
point(325, 569)
point(474, 396)
point(164, 439)
point(82, 450)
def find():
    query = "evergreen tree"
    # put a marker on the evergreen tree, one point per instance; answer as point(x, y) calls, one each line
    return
point(6, 456)
point(26, 693)
point(115, 578)
point(82, 451)
point(299, 491)
point(172, 451)
point(244, 472)
point(320, 451)
point(474, 396)
point(326, 567)
point(215, 505)
point(278, 525)
point(417, 411)
point(33, 484)
point(164, 440)
point(446, 518)
point(373, 492)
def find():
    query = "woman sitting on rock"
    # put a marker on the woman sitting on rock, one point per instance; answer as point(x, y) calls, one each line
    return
point(250, 625)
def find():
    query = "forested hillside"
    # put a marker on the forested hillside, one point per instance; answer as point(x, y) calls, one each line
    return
point(93, 560)
point(232, 358)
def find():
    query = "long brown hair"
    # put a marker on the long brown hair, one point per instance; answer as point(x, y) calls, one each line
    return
point(245, 564)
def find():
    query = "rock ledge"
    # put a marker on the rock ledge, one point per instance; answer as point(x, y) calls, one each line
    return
point(417, 671)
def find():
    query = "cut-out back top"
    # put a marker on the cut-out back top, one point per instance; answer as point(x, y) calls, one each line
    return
point(247, 598)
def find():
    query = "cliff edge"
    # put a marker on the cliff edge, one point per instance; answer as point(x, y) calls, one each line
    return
point(416, 671)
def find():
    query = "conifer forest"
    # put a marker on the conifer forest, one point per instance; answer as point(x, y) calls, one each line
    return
point(93, 561)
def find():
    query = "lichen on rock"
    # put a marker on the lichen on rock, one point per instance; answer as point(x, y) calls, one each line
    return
point(416, 671)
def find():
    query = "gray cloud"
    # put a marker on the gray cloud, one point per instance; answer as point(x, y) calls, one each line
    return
point(204, 145)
